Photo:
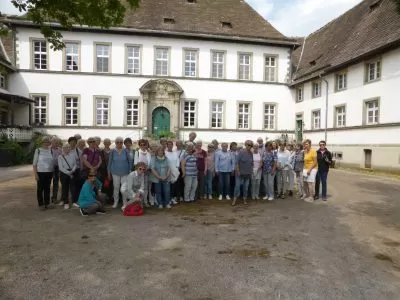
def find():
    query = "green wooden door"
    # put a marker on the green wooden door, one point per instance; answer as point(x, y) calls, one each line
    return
point(299, 130)
point(160, 121)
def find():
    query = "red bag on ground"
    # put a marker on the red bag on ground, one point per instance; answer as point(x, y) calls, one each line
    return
point(134, 209)
point(106, 183)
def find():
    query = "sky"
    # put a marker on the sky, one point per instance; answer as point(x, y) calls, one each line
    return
point(290, 17)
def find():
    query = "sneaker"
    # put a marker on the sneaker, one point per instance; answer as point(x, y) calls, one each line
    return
point(270, 198)
point(282, 196)
point(61, 203)
point(115, 205)
point(83, 212)
point(324, 199)
point(123, 208)
point(169, 206)
point(66, 206)
point(266, 197)
point(220, 197)
point(309, 200)
point(146, 204)
point(209, 197)
point(75, 205)
point(160, 206)
point(181, 199)
point(174, 202)
point(316, 197)
point(228, 198)
point(244, 201)
point(234, 202)
point(290, 193)
point(101, 212)
point(303, 197)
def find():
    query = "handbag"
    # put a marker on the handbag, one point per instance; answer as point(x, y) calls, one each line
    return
point(106, 183)
point(133, 210)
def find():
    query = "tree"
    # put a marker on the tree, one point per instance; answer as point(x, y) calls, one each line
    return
point(93, 13)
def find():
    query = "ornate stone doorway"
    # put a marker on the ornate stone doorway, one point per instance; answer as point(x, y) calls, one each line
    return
point(161, 96)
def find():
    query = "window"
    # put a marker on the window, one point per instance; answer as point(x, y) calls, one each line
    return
point(133, 60)
point(39, 55)
point(373, 71)
point(40, 109)
point(270, 68)
point(189, 113)
point(299, 94)
point(190, 63)
point(372, 112)
point(316, 89)
point(244, 66)
point(244, 116)
point(341, 81)
point(162, 61)
point(3, 81)
point(71, 56)
point(316, 119)
point(217, 112)
point(132, 112)
point(71, 105)
point(102, 58)
point(340, 116)
point(218, 61)
point(102, 111)
point(269, 116)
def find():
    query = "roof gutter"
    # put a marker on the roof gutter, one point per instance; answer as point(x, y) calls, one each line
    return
point(151, 32)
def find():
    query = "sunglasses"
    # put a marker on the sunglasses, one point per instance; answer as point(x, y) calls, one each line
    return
point(141, 169)
point(249, 145)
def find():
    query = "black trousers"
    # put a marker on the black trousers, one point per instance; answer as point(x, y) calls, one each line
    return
point(76, 186)
point(66, 186)
point(43, 188)
point(56, 180)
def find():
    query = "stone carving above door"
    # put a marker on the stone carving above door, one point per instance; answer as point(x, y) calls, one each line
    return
point(161, 88)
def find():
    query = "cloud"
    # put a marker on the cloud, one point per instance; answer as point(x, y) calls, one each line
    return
point(301, 17)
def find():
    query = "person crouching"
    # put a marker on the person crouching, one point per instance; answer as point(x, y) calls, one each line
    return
point(87, 201)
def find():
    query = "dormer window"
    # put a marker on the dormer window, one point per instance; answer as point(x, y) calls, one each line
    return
point(226, 24)
point(169, 20)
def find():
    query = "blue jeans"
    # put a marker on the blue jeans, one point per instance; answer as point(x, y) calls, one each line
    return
point(208, 185)
point(224, 183)
point(163, 194)
point(245, 181)
point(322, 176)
point(269, 184)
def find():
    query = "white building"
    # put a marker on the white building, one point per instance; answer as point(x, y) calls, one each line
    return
point(195, 67)
point(216, 67)
point(356, 60)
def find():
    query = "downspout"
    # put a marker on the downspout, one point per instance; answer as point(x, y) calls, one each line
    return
point(326, 107)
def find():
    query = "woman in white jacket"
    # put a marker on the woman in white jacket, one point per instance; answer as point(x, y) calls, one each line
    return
point(67, 166)
point(143, 155)
point(134, 187)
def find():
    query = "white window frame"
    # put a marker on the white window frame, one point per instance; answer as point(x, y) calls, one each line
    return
point(40, 108)
point(3, 80)
point(270, 112)
point(316, 89)
point(316, 119)
point(341, 81)
point(244, 66)
point(102, 111)
point(218, 58)
point(340, 116)
point(192, 62)
point(161, 63)
point(217, 114)
point(373, 70)
point(189, 114)
point(270, 68)
point(243, 115)
point(70, 109)
point(300, 94)
point(133, 58)
point(43, 56)
point(135, 112)
point(375, 109)
point(105, 54)
point(74, 56)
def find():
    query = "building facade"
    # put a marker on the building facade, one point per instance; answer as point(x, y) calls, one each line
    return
point(220, 69)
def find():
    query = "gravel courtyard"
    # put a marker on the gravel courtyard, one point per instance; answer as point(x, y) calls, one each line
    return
point(347, 248)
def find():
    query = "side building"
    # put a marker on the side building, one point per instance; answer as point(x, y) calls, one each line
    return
point(345, 83)
point(214, 67)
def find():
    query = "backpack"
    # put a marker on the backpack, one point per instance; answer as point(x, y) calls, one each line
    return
point(133, 210)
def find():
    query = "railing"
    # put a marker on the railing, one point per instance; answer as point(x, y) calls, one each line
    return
point(17, 134)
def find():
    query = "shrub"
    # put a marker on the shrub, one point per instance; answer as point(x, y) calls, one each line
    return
point(18, 153)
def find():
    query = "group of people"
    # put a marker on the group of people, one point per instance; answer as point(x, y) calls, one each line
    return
point(164, 173)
